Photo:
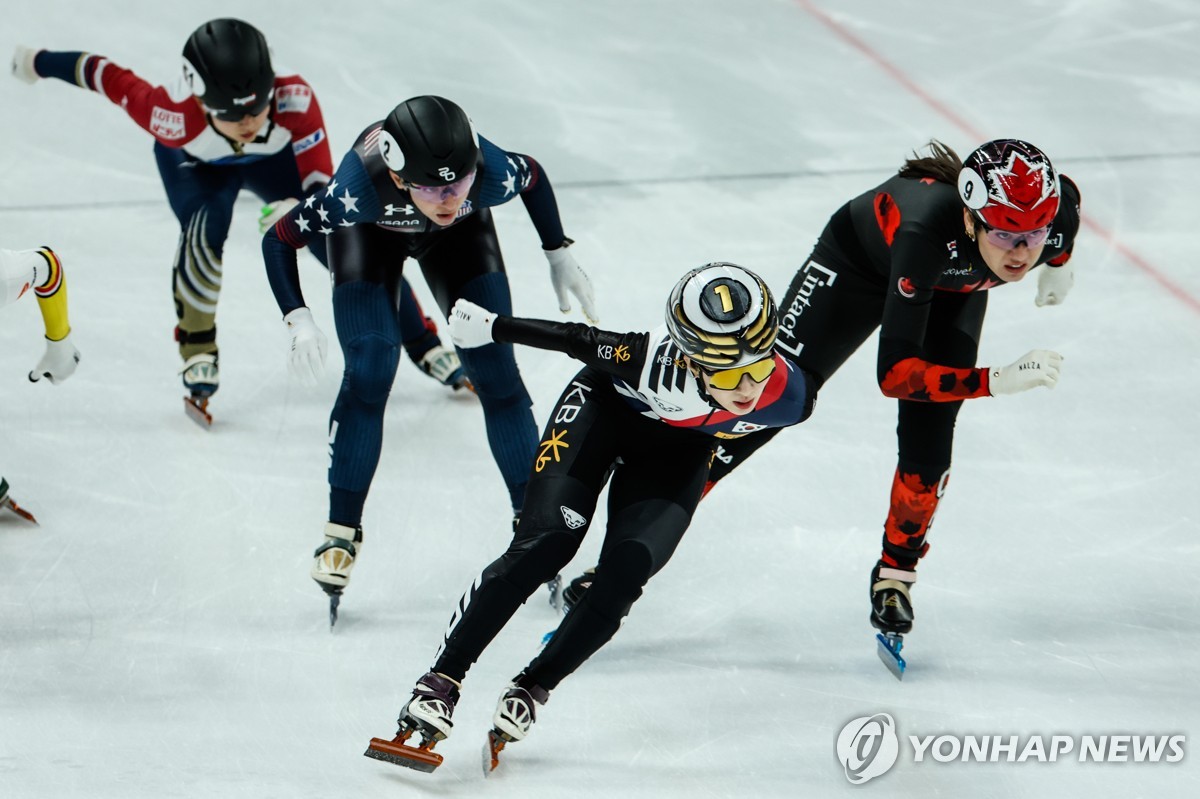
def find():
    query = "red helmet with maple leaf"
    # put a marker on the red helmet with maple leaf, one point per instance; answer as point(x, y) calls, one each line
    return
point(1010, 185)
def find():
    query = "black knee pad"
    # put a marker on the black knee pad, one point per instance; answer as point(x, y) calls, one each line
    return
point(620, 577)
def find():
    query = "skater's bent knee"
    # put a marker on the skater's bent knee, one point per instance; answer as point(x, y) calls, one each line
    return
point(629, 565)
point(536, 559)
point(371, 362)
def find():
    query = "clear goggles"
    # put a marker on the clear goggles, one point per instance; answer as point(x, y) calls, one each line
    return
point(1010, 240)
point(437, 194)
point(729, 379)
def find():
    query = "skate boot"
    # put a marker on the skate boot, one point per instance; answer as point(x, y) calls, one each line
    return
point(514, 717)
point(891, 613)
point(201, 378)
point(576, 589)
point(569, 597)
point(428, 714)
point(333, 560)
point(442, 365)
point(891, 603)
point(555, 587)
point(432, 706)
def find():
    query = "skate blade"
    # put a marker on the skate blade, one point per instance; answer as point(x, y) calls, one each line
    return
point(888, 648)
point(398, 753)
point(17, 509)
point(491, 751)
point(197, 410)
point(334, 592)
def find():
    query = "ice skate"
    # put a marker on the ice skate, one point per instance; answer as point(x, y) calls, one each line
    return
point(428, 715)
point(555, 587)
point(442, 364)
point(332, 563)
point(891, 613)
point(570, 596)
point(7, 502)
point(514, 717)
point(201, 378)
point(575, 589)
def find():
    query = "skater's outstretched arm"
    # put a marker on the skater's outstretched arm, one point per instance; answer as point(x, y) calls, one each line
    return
point(619, 354)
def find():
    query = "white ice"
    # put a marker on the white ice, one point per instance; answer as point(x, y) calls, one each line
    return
point(159, 633)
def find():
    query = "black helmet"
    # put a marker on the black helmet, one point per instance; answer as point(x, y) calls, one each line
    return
point(228, 66)
point(429, 141)
point(722, 316)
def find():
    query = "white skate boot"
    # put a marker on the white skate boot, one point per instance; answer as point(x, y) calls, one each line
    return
point(201, 378)
point(514, 717)
point(333, 561)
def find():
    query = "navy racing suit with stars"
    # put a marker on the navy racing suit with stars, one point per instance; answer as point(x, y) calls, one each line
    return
point(371, 227)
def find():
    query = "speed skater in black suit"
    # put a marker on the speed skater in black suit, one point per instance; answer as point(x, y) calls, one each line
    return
point(644, 415)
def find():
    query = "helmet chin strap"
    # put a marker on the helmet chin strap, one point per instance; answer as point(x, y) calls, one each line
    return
point(264, 132)
point(700, 389)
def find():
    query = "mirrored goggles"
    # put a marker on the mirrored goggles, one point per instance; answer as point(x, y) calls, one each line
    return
point(437, 194)
point(728, 379)
point(1010, 240)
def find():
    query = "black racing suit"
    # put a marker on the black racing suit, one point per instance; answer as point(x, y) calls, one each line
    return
point(897, 258)
point(637, 413)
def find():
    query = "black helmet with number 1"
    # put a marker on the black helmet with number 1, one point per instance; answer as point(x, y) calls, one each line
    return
point(227, 64)
point(429, 141)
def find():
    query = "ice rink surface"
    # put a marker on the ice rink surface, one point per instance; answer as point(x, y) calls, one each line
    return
point(159, 633)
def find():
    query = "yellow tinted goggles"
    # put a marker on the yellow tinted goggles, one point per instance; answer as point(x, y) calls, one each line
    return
point(728, 379)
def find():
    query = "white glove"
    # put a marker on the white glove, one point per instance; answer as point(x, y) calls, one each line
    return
point(470, 324)
point(566, 276)
point(22, 64)
point(307, 357)
point(1053, 284)
point(273, 212)
point(58, 363)
point(1035, 368)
